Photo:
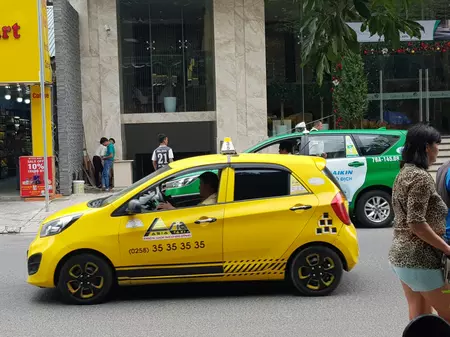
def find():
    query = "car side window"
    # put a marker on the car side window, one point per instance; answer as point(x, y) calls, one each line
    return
point(329, 147)
point(374, 145)
point(185, 192)
point(260, 183)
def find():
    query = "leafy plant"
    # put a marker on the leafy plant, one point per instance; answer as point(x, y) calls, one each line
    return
point(325, 36)
point(283, 92)
point(350, 90)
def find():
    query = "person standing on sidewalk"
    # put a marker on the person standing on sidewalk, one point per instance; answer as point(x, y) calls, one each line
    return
point(108, 161)
point(111, 179)
point(163, 154)
point(443, 189)
point(97, 162)
point(19, 151)
point(317, 126)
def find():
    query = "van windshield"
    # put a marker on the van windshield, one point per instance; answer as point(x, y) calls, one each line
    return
point(112, 198)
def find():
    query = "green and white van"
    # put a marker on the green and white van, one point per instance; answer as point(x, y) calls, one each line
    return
point(364, 163)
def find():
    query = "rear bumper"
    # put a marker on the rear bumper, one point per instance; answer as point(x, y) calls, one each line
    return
point(347, 243)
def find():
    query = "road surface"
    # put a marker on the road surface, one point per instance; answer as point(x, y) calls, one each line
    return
point(368, 303)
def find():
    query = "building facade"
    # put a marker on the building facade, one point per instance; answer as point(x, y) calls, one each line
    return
point(200, 70)
point(194, 70)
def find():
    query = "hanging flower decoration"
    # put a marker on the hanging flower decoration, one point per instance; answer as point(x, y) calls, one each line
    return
point(419, 47)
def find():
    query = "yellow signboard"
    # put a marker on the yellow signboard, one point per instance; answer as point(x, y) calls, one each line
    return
point(19, 42)
point(36, 121)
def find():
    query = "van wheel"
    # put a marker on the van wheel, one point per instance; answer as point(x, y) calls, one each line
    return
point(316, 271)
point(85, 279)
point(374, 209)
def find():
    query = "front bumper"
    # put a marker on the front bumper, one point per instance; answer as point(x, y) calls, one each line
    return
point(42, 259)
point(347, 243)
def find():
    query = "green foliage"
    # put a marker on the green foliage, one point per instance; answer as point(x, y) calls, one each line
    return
point(350, 91)
point(325, 35)
point(281, 90)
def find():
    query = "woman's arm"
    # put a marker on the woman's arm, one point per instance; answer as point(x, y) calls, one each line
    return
point(425, 233)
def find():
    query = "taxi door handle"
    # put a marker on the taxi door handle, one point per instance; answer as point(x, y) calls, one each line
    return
point(300, 207)
point(205, 220)
point(356, 164)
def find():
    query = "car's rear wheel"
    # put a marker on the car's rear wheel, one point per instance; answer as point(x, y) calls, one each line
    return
point(85, 279)
point(374, 209)
point(316, 271)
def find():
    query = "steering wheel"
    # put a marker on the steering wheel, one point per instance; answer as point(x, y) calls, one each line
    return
point(160, 197)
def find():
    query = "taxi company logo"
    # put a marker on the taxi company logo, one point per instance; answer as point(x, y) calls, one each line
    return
point(159, 231)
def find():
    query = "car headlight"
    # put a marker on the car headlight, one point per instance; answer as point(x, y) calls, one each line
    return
point(180, 182)
point(58, 225)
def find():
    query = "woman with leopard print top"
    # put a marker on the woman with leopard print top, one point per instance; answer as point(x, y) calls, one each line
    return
point(419, 226)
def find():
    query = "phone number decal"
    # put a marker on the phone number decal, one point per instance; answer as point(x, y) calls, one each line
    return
point(133, 251)
point(167, 247)
point(385, 159)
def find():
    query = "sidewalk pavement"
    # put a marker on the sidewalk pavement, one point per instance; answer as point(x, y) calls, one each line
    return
point(26, 216)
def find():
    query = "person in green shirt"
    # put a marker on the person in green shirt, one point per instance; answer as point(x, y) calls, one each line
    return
point(108, 161)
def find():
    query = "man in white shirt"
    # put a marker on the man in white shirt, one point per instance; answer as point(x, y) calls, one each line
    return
point(97, 161)
point(163, 154)
point(209, 187)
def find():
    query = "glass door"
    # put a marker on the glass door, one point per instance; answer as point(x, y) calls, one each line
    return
point(437, 91)
point(396, 95)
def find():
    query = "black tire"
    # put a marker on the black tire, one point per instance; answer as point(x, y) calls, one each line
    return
point(316, 267)
point(380, 219)
point(85, 279)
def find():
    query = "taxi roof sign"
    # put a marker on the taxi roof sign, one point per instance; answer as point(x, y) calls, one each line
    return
point(227, 146)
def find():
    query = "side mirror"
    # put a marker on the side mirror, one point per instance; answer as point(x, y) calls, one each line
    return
point(134, 207)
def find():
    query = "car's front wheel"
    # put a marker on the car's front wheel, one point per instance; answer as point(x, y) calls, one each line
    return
point(374, 209)
point(316, 271)
point(85, 279)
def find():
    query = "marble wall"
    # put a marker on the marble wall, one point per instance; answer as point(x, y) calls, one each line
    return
point(240, 62)
point(100, 72)
point(240, 74)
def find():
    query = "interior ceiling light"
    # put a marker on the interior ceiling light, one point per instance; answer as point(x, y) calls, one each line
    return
point(19, 99)
point(7, 97)
point(27, 101)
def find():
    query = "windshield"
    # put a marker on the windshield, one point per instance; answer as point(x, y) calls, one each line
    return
point(121, 193)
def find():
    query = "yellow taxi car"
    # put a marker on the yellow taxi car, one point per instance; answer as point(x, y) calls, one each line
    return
point(267, 217)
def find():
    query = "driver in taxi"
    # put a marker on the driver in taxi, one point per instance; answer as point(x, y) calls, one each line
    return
point(209, 186)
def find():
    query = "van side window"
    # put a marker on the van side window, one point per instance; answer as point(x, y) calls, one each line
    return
point(329, 147)
point(374, 145)
point(275, 147)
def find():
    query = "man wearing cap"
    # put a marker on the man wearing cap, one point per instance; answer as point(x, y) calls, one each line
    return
point(301, 127)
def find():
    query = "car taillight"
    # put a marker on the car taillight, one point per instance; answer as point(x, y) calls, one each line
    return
point(338, 205)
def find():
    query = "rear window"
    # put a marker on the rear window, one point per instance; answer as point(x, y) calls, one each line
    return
point(374, 145)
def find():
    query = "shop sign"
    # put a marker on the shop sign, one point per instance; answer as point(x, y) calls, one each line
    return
point(10, 31)
point(32, 183)
point(19, 42)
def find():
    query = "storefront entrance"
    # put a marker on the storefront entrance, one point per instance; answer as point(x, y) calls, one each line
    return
point(15, 135)
point(409, 87)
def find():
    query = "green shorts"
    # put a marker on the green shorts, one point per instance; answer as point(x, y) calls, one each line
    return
point(421, 280)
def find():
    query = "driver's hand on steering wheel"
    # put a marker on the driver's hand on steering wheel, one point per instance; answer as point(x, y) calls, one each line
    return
point(165, 205)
